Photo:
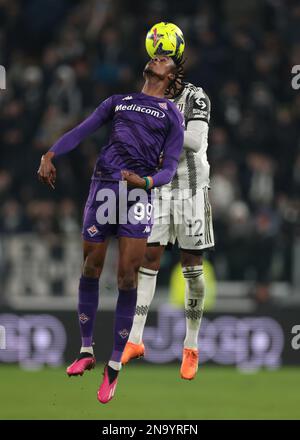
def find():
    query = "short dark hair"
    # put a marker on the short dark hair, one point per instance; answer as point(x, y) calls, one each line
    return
point(175, 86)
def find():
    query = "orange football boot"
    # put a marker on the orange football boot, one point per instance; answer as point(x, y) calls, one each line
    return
point(132, 351)
point(189, 365)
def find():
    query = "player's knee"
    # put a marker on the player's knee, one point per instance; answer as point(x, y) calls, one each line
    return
point(189, 259)
point(127, 276)
point(91, 271)
point(151, 260)
point(195, 280)
point(127, 280)
point(91, 267)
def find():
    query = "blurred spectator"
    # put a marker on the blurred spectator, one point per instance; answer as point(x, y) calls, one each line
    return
point(12, 218)
point(240, 233)
point(67, 217)
point(64, 94)
point(225, 188)
point(261, 182)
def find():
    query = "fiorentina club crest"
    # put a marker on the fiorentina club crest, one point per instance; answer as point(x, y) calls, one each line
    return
point(83, 318)
point(124, 333)
point(163, 105)
point(92, 231)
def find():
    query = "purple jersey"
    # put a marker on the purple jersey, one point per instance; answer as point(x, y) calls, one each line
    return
point(144, 128)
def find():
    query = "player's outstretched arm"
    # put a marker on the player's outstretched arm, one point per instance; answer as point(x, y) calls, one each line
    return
point(70, 140)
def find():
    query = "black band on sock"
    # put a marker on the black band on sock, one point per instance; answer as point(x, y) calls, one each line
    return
point(84, 355)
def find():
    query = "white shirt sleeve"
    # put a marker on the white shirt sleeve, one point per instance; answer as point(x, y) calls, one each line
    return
point(195, 136)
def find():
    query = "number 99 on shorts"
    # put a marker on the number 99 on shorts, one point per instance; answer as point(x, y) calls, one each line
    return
point(140, 212)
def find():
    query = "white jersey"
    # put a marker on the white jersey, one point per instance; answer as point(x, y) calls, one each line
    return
point(182, 209)
point(193, 168)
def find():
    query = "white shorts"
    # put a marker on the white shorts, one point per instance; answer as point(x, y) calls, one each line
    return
point(189, 220)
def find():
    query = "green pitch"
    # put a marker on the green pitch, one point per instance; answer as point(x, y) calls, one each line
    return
point(151, 392)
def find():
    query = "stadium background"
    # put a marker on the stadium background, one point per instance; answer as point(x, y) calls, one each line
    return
point(62, 58)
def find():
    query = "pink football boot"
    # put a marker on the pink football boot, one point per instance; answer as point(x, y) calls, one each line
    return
point(107, 388)
point(82, 363)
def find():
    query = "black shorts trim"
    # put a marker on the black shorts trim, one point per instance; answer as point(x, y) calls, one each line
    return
point(197, 119)
point(147, 274)
point(197, 252)
point(154, 244)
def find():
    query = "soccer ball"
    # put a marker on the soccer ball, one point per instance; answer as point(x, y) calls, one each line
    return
point(165, 39)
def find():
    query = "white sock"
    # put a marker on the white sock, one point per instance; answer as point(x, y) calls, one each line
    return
point(87, 350)
point(115, 365)
point(194, 302)
point(145, 292)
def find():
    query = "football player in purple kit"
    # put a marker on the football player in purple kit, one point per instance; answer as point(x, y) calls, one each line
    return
point(145, 128)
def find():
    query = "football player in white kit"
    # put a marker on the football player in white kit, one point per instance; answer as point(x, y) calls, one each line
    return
point(181, 211)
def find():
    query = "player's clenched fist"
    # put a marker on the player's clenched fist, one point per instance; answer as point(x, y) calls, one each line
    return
point(47, 171)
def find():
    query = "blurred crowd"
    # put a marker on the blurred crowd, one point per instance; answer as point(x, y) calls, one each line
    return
point(63, 57)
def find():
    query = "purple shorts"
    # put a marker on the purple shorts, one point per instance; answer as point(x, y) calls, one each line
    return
point(113, 209)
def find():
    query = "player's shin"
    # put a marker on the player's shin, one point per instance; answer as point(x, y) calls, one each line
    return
point(194, 301)
point(145, 293)
point(87, 310)
point(123, 322)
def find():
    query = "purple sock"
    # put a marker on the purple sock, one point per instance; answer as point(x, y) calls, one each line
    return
point(87, 308)
point(123, 321)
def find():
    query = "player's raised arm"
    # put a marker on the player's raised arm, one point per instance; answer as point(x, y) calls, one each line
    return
point(70, 140)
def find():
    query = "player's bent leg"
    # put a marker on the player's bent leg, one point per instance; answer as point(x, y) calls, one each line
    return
point(147, 276)
point(192, 269)
point(94, 256)
point(131, 252)
point(162, 233)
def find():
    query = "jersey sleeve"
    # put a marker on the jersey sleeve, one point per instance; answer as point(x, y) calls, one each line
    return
point(171, 152)
point(70, 140)
point(195, 136)
point(199, 107)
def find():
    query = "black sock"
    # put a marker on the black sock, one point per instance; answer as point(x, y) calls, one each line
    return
point(84, 355)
